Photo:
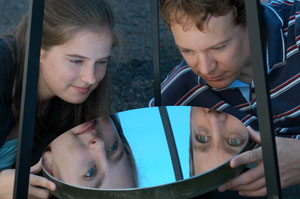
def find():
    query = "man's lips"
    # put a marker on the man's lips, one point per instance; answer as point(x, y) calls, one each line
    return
point(86, 128)
point(215, 78)
point(81, 89)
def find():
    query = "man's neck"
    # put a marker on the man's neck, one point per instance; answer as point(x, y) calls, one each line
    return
point(246, 75)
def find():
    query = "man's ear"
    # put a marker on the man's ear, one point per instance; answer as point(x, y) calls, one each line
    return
point(48, 162)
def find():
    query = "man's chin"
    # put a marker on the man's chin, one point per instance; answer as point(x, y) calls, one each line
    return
point(218, 86)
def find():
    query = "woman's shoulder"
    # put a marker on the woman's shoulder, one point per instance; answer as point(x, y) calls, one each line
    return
point(6, 59)
point(6, 49)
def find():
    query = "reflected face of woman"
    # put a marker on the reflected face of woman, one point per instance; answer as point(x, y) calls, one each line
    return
point(215, 138)
point(91, 155)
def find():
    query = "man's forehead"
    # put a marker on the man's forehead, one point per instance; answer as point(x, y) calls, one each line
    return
point(218, 30)
point(188, 22)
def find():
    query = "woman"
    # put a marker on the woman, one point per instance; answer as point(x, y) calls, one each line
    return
point(73, 83)
point(94, 154)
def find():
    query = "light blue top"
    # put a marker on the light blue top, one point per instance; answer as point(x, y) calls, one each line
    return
point(244, 88)
point(8, 154)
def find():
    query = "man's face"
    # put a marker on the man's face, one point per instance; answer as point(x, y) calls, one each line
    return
point(215, 137)
point(219, 54)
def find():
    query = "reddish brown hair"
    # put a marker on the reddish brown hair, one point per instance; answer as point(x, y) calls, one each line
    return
point(199, 11)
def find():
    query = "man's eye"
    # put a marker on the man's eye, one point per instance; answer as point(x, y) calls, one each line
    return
point(201, 138)
point(113, 147)
point(76, 61)
point(91, 173)
point(235, 142)
point(219, 48)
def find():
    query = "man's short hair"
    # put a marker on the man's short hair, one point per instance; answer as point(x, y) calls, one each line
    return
point(198, 12)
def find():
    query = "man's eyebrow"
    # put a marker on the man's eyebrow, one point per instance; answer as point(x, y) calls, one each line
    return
point(231, 150)
point(219, 44)
point(200, 148)
point(210, 47)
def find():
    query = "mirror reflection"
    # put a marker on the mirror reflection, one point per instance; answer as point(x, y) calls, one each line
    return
point(215, 138)
point(94, 154)
point(130, 150)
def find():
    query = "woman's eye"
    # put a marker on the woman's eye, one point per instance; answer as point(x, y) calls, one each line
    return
point(235, 142)
point(102, 62)
point(113, 147)
point(186, 51)
point(91, 173)
point(202, 138)
point(76, 61)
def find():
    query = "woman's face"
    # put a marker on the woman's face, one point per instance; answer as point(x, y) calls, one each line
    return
point(74, 69)
point(91, 155)
point(216, 137)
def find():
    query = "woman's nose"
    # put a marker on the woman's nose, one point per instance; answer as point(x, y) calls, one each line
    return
point(95, 144)
point(88, 74)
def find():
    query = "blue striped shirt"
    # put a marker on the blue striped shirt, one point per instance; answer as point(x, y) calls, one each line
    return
point(183, 87)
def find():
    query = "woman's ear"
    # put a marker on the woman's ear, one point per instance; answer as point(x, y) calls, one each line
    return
point(48, 162)
point(42, 53)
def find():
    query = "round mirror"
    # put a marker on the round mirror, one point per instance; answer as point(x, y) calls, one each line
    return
point(158, 152)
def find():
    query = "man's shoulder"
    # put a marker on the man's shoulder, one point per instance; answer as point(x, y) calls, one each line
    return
point(179, 80)
point(282, 10)
point(181, 74)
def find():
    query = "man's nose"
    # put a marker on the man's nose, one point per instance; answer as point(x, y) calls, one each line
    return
point(217, 123)
point(88, 74)
point(217, 117)
point(206, 64)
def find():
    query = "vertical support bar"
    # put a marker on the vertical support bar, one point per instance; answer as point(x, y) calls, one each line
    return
point(156, 58)
point(171, 142)
point(29, 98)
point(264, 109)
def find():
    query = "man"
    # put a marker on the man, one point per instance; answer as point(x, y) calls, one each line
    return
point(216, 73)
point(215, 137)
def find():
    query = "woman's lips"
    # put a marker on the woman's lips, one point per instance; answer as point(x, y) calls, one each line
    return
point(86, 128)
point(82, 90)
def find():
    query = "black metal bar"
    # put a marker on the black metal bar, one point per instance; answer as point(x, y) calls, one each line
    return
point(264, 109)
point(156, 58)
point(171, 142)
point(29, 98)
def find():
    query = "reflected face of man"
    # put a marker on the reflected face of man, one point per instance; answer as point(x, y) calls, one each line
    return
point(91, 155)
point(215, 138)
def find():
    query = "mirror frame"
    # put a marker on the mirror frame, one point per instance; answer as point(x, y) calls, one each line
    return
point(208, 181)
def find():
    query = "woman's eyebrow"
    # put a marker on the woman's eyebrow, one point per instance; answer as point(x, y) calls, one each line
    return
point(120, 155)
point(99, 182)
point(77, 56)
point(83, 57)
